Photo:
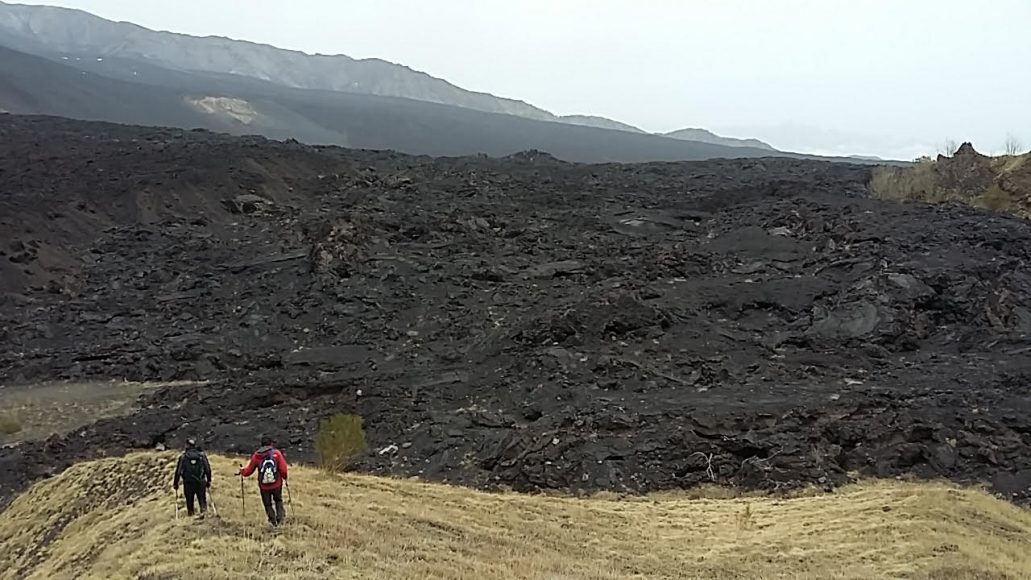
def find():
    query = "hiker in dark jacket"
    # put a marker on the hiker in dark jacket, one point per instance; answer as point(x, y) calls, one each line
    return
point(195, 472)
point(272, 473)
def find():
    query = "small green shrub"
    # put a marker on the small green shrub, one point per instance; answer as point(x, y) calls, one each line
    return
point(9, 425)
point(340, 439)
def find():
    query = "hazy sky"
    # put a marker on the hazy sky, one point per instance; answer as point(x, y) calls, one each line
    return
point(888, 77)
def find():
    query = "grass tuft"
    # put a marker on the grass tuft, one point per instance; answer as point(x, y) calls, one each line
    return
point(9, 424)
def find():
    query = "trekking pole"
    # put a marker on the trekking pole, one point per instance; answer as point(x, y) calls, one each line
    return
point(211, 498)
point(243, 501)
point(289, 496)
point(176, 503)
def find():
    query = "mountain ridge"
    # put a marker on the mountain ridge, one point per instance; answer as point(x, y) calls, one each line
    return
point(58, 32)
point(706, 136)
point(222, 74)
point(601, 123)
point(51, 28)
point(35, 85)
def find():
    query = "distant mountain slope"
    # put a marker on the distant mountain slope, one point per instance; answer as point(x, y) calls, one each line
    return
point(32, 84)
point(600, 122)
point(242, 87)
point(35, 85)
point(84, 38)
point(705, 136)
point(39, 29)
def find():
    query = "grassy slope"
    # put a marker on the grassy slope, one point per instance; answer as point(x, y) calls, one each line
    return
point(367, 527)
point(921, 182)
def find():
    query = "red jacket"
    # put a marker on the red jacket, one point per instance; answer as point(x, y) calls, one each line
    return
point(260, 456)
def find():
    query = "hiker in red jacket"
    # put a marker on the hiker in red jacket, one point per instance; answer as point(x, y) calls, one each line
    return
point(272, 473)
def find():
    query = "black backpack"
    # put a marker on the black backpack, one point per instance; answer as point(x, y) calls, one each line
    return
point(193, 467)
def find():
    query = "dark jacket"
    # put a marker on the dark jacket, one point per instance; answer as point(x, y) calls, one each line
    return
point(185, 466)
point(260, 456)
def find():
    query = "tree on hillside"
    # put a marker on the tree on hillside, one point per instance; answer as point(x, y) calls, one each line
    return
point(948, 147)
point(1013, 145)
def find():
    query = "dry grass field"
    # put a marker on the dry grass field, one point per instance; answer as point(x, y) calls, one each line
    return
point(115, 518)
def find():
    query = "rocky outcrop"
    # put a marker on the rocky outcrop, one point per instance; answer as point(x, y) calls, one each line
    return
point(965, 171)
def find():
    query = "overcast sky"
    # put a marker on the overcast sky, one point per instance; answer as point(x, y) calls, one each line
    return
point(888, 77)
